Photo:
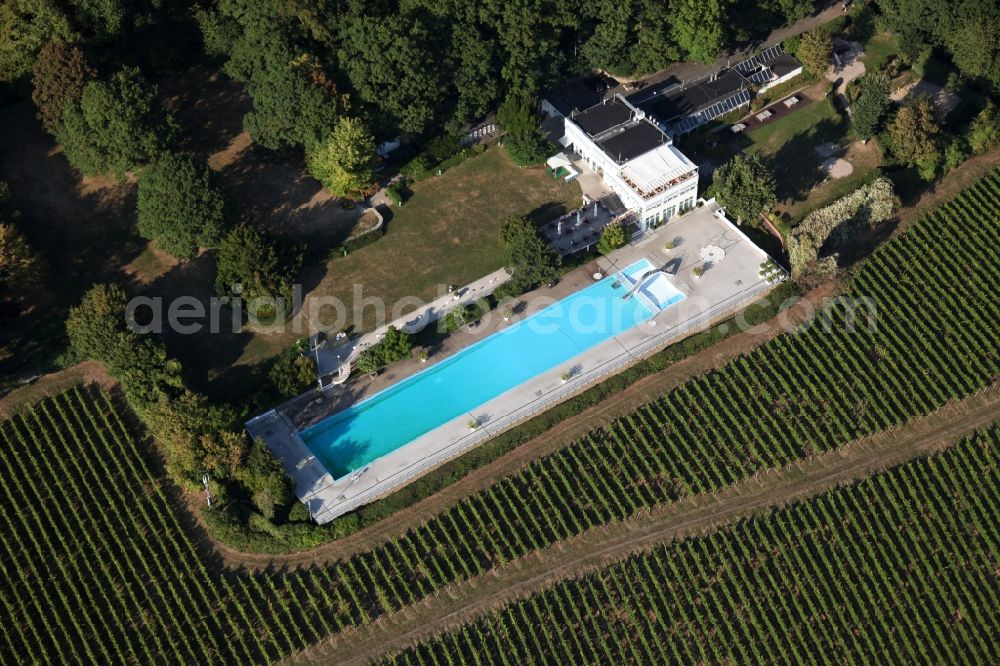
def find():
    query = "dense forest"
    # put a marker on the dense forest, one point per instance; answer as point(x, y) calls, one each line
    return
point(423, 67)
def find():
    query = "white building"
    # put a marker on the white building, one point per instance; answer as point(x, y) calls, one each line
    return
point(634, 157)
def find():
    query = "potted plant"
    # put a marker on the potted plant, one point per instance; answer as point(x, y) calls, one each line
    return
point(565, 377)
point(422, 355)
point(698, 271)
point(474, 424)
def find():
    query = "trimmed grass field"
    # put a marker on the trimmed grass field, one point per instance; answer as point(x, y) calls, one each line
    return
point(788, 145)
point(447, 233)
point(879, 50)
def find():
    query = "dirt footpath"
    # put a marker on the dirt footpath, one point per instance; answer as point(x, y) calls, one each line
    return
point(689, 517)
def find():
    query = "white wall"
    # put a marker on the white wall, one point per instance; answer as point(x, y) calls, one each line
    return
point(787, 77)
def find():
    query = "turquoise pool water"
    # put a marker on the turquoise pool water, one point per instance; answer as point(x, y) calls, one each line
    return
point(541, 343)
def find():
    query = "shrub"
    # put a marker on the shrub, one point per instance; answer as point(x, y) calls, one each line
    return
point(299, 513)
point(460, 316)
point(614, 236)
point(869, 204)
point(292, 373)
point(441, 148)
point(791, 44)
point(417, 168)
point(395, 193)
point(984, 131)
point(955, 152)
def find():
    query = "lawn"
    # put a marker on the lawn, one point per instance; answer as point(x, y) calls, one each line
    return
point(879, 50)
point(788, 143)
point(447, 233)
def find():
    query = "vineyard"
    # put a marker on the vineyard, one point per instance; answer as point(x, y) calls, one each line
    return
point(902, 567)
point(96, 565)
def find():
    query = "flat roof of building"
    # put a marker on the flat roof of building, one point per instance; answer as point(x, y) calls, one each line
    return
point(784, 64)
point(635, 140)
point(579, 94)
point(671, 104)
point(602, 117)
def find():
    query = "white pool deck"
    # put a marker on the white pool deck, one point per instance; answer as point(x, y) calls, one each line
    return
point(720, 292)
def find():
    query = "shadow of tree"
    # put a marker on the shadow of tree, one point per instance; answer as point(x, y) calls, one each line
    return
point(85, 228)
point(548, 211)
point(796, 166)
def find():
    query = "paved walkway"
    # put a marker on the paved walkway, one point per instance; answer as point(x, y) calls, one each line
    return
point(334, 352)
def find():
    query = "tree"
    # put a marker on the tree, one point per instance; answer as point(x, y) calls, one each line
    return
point(871, 104)
point(476, 75)
point(745, 187)
point(974, 42)
point(914, 135)
point(20, 266)
point(116, 126)
point(264, 478)
point(249, 264)
point(609, 47)
point(370, 361)
point(614, 236)
point(793, 10)
point(815, 50)
point(984, 131)
point(527, 256)
point(698, 28)
point(96, 325)
point(179, 206)
point(345, 161)
point(395, 345)
point(292, 373)
point(520, 117)
point(395, 65)
point(59, 76)
point(25, 27)
point(655, 47)
point(289, 109)
point(196, 435)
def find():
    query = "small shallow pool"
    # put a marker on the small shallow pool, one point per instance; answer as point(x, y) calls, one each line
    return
point(457, 386)
point(657, 289)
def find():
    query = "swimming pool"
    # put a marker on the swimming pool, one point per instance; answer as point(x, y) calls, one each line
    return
point(541, 343)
